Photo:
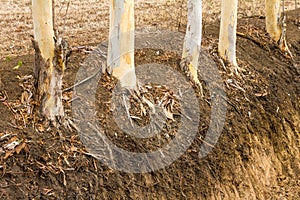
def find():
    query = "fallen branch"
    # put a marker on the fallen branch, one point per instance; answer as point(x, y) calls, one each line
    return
point(254, 40)
point(83, 81)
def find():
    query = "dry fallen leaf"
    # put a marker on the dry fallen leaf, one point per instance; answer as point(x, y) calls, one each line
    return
point(12, 143)
point(40, 128)
point(261, 94)
point(168, 114)
point(73, 148)
point(24, 97)
point(9, 153)
point(19, 148)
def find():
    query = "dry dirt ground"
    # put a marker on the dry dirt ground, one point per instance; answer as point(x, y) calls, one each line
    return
point(256, 157)
point(86, 22)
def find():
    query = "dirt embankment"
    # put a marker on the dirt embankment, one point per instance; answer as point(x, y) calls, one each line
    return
point(256, 157)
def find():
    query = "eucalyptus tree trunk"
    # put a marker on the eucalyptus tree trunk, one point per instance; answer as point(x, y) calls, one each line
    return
point(49, 61)
point(193, 36)
point(273, 17)
point(227, 37)
point(120, 58)
point(275, 24)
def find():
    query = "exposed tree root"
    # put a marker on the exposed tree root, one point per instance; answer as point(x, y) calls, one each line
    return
point(282, 44)
point(184, 65)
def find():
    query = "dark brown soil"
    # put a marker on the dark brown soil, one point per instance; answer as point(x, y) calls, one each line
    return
point(256, 157)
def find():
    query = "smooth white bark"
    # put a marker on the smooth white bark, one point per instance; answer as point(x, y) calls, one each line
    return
point(43, 27)
point(121, 42)
point(227, 37)
point(192, 40)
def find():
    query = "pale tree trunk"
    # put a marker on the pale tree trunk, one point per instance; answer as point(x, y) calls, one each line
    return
point(192, 40)
point(227, 37)
point(121, 42)
point(49, 61)
point(273, 17)
point(275, 24)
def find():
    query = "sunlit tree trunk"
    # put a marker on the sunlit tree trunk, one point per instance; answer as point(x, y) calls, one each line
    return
point(273, 17)
point(275, 25)
point(227, 37)
point(121, 42)
point(192, 40)
point(49, 61)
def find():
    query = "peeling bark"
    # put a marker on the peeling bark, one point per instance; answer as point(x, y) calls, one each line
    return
point(49, 61)
point(227, 37)
point(192, 40)
point(120, 58)
point(275, 25)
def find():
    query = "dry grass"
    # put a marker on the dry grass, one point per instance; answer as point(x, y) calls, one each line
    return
point(86, 22)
